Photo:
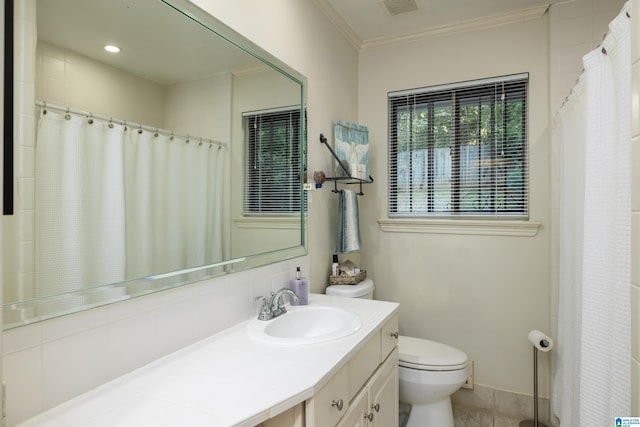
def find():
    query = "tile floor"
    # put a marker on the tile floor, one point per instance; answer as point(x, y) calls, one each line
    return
point(487, 407)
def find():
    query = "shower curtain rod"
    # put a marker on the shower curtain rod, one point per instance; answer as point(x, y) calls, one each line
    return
point(133, 125)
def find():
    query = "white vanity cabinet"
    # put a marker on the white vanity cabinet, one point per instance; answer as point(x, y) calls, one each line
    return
point(294, 417)
point(365, 391)
point(377, 403)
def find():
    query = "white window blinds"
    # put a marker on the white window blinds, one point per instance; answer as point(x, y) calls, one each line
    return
point(459, 149)
point(273, 176)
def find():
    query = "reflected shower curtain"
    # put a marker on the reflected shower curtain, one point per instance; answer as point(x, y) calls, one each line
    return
point(79, 204)
point(174, 203)
point(115, 204)
point(593, 135)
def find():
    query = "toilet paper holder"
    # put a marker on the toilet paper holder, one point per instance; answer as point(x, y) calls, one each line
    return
point(540, 342)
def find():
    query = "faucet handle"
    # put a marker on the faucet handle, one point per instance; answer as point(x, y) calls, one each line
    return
point(265, 313)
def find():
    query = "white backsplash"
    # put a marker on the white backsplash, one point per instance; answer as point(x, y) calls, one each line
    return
point(49, 362)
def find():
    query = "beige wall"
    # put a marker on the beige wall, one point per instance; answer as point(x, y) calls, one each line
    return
point(635, 208)
point(482, 294)
point(201, 107)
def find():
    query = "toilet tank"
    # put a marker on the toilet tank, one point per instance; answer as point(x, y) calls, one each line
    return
point(363, 289)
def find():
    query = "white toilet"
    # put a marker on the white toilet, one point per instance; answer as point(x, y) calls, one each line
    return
point(430, 372)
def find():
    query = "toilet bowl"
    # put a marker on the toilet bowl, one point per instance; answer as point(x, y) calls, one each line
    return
point(429, 373)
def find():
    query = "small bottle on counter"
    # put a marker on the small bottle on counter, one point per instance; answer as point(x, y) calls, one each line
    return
point(300, 285)
point(335, 270)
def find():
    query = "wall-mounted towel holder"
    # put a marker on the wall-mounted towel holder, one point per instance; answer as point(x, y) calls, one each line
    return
point(343, 179)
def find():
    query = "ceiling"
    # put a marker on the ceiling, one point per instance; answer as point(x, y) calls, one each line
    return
point(157, 42)
point(368, 22)
point(153, 37)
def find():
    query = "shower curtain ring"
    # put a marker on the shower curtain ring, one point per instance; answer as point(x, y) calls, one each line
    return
point(187, 141)
point(139, 128)
point(90, 118)
point(171, 137)
point(200, 143)
point(156, 134)
point(110, 122)
point(67, 116)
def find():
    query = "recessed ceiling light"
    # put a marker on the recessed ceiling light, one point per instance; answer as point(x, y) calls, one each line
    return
point(112, 48)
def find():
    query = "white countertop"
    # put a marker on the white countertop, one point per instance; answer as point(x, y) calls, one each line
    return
point(227, 379)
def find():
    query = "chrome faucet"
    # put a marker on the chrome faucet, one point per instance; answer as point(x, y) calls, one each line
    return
point(274, 307)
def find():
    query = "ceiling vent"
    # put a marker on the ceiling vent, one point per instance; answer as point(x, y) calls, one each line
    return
point(396, 7)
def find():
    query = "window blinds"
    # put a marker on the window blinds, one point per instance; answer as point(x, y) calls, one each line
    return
point(459, 149)
point(272, 162)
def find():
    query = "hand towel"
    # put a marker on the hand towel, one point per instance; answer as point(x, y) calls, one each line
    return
point(348, 223)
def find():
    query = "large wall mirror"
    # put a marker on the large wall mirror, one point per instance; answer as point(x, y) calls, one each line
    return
point(179, 158)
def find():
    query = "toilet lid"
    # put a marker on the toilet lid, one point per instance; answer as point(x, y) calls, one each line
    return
point(418, 353)
point(351, 291)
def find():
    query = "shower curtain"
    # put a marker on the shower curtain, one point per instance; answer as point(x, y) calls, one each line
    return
point(114, 203)
point(593, 135)
point(79, 201)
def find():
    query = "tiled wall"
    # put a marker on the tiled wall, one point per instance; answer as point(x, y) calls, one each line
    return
point(635, 208)
point(25, 141)
point(49, 362)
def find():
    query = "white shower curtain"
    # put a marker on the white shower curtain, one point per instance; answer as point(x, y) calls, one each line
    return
point(593, 135)
point(79, 204)
point(174, 203)
point(115, 204)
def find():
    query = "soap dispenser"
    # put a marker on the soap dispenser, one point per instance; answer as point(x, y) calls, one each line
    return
point(300, 285)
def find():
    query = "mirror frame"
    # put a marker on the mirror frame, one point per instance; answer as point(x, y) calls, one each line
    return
point(167, 280)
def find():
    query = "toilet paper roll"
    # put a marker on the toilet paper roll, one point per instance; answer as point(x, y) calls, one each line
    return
point(540, 341)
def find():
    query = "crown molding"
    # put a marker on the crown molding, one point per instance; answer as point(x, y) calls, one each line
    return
point(459, 27)
point(339, 23)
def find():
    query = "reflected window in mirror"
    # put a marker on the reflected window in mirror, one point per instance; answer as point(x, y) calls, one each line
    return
point(272, 162)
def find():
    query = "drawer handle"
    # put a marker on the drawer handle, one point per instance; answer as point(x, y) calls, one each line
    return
point(369, 416)
point(339, 404)
point(376, 407)
point(395, 335)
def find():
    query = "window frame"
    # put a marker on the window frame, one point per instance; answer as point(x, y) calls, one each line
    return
point(448, 93)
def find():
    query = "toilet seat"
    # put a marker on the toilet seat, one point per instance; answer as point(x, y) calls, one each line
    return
point(427, 355)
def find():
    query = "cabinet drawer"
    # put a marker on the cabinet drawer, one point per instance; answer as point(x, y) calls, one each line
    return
point(389, 337)
point(328, 405)
point(363, 364)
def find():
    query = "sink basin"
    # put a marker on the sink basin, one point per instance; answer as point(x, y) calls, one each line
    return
point(302, 325)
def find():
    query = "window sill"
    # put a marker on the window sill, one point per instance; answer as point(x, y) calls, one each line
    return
point(467, 227)
point(273, 222)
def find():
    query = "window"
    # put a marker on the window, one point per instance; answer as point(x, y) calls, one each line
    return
point(273, 181)
point(459, 150)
